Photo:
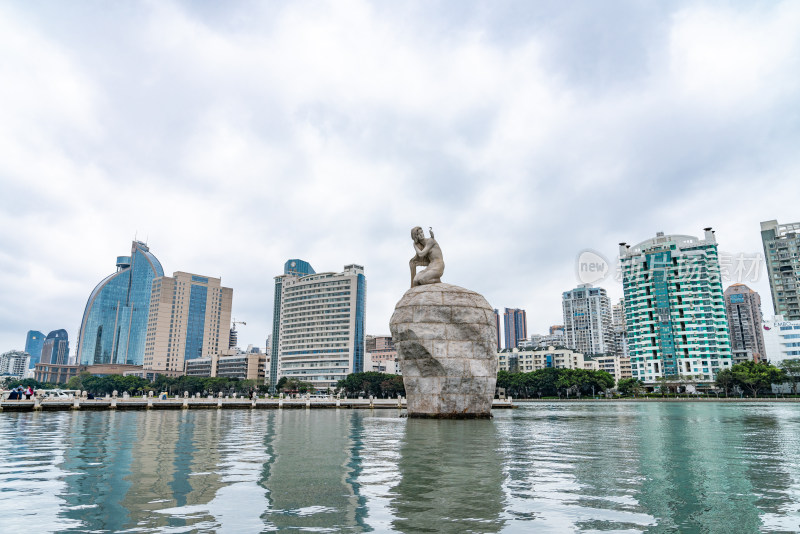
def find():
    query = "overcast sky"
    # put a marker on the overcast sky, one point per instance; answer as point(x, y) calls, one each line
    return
point(235, 135)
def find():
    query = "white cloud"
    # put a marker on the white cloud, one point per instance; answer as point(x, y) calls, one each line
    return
point(235, 138)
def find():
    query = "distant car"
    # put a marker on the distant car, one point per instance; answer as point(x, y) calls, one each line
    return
point(58, 394)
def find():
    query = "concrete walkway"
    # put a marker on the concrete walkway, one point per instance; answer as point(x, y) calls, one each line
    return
point(194, 403)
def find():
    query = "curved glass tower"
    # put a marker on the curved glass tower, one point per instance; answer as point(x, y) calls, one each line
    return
point(114, 324)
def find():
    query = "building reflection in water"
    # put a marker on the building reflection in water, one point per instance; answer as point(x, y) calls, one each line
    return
point(171, 468)
point(221, 485)
point(314, 471)
point(450, 478)
point(98, 453)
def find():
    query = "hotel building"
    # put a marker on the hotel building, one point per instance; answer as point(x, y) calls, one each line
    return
point(318, 331)
point(674, 307)
point(190, 317)
point(781, 340)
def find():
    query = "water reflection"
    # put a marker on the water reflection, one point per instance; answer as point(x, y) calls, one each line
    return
point(449, 478)
point(571, 467)
point(312, 476)
point(582, 467)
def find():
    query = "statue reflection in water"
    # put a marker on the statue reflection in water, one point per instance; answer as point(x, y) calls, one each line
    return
point(451, 477)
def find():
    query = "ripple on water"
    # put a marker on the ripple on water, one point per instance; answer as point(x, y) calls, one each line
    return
point(578, 467)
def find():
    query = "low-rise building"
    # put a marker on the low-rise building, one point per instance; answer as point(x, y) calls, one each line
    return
point(617, 366)
point(381, 365)
point(555, 339)
point(60, 374)
point(230, 364)
point(781, 339)
point(527, 360)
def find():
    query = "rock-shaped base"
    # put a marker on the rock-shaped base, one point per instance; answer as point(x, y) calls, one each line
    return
point(446, 342)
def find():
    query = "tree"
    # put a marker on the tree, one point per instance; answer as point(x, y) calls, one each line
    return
point(792, 370)
point(629, 386)
point(393, 386)
point(76, 382)
point(753, 377)
point(281, 383)
point(725, 380)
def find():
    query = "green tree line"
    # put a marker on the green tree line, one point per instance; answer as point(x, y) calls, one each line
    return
point(752, 378)
point(551, 382)
point(373, 383)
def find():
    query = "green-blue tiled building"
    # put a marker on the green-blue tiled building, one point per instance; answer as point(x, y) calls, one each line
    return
point(674, 308)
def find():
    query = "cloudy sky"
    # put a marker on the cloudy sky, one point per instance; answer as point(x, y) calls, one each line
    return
point(235, 135)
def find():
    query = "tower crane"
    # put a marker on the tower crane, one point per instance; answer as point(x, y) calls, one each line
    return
point(233, 340)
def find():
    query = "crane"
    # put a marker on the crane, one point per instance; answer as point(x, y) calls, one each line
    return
point(233, 340)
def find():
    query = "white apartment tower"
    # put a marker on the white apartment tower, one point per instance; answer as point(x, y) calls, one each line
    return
point(318, 335)
point(190, 318)
point(587, 320)
point(674, 308)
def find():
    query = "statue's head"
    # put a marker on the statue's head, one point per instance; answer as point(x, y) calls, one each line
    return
point(417, 234)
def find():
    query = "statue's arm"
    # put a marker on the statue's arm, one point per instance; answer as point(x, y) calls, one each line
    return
point(426, 250)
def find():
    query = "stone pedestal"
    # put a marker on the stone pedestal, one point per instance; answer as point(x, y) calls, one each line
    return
point(446, 344)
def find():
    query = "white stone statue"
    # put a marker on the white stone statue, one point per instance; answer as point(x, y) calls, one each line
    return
point(429, 255)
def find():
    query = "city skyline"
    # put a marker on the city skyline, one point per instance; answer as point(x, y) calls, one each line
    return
point(207, 144)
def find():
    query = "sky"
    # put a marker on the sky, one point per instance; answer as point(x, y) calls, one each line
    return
point(232, 136)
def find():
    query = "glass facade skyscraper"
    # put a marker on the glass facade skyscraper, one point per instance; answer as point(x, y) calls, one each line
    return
point(114, 324)
point(55, 349)
point(33, 346)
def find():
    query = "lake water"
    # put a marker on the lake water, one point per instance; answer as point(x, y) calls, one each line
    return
point(561, 467)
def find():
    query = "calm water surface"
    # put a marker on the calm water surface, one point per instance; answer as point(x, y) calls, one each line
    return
point(582, 467)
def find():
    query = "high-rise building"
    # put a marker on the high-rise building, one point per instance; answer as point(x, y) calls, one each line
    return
point(55, 349)
point(587, 320)
point(294, 267)
point(782, 252)
point(318, 335)
point(743, 310)
point(619, 340)
point(114, 324)
point(14, 363)
point(190, 317)
point(674, 307)
point(515, 326)
point(33, 346)
point(497, 326)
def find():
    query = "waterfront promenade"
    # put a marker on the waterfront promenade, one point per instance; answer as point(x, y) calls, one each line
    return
point(178, 403)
